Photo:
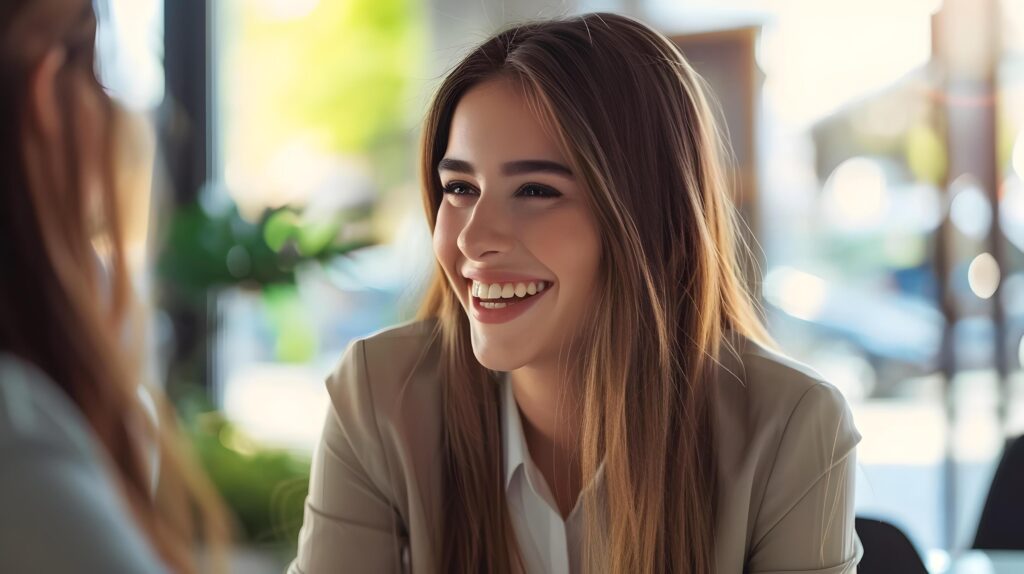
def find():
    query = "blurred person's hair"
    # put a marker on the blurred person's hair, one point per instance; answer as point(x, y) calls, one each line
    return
point(66, 302)
point(634, 119)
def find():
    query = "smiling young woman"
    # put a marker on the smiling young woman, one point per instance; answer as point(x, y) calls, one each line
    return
point(589, 388)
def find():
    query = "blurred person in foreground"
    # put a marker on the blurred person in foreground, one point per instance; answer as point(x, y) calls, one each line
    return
point(590, 388)
point(78, 490)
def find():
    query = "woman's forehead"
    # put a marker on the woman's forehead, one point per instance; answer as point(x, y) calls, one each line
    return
point(493, 123)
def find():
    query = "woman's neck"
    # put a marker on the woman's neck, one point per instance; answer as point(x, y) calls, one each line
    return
point(551, 421)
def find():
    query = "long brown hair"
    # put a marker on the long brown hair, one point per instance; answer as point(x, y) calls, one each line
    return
point(633, 117)
point(63, 308)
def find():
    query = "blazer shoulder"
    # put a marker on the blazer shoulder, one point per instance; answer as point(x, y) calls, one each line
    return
point(778, 396)
point(385, 401)
point(786, 377)
point(420, 329)
point(387, 375)
point(766, 378)
point(399, 355)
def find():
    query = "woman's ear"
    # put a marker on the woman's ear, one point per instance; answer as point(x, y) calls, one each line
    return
point(43, 103)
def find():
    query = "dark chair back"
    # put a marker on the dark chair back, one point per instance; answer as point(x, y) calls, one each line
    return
point(1001, 526)
point(887, 550)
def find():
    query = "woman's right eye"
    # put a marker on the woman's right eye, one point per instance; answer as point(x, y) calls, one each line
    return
point(458, 188)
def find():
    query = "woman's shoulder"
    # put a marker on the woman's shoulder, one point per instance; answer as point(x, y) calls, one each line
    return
point(390, 359)
point(386, 402)
point(388, 376)
point(409, 338)
point(781, 403)
point(34, 411)
point(54, 485)
point(786, 445)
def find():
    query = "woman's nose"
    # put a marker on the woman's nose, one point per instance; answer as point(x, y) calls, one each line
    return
point(486, 233)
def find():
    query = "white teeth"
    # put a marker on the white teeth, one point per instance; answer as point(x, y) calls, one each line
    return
point(507, 290)
point(492, 305)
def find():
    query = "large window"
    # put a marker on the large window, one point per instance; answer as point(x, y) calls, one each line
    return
point(316, 106)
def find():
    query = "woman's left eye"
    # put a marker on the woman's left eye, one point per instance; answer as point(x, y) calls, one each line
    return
point(534, 190)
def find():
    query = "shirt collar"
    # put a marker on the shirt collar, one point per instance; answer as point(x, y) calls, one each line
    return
point(514, 441)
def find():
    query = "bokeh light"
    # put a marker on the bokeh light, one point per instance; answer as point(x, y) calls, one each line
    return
point(970, 209)
point(983, 275)
point(796, 292)
point(856, 194)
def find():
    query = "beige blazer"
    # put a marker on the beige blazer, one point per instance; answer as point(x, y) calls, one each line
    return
point(785, 452)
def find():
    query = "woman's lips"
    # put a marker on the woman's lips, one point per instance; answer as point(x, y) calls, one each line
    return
point(513, 307)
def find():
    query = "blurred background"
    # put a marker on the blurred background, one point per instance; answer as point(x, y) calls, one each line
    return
point(879, 158)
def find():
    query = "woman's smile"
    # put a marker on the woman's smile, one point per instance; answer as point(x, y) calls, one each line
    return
point(502, 302)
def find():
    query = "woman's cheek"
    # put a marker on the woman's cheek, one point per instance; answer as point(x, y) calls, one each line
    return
point(570, 235)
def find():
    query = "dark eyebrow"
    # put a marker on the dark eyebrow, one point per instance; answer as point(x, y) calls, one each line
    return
point(520, 167)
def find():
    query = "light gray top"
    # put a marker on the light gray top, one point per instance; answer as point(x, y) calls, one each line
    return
point(785, 450)
point(59, 508)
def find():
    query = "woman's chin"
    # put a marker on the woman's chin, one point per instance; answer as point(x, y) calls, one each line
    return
point(498, 359)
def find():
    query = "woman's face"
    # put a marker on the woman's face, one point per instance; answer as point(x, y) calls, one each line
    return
point(515, 234)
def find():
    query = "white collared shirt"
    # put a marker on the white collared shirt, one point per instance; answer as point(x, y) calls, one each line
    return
point(546, 542)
